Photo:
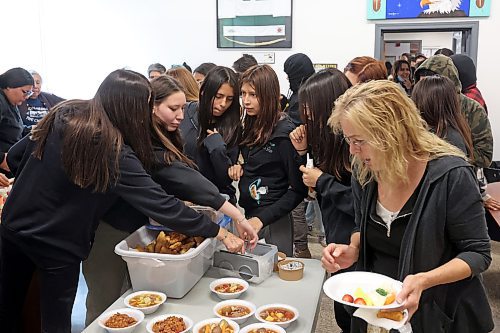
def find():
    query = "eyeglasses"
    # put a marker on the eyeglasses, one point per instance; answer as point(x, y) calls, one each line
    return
point(355, 142)
point(27, 93)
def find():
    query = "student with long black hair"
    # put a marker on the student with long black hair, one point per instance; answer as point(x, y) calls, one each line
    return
point(82, 157)
point(270, 181)
point(332, 176)
point(104, 271)
point(211, 129)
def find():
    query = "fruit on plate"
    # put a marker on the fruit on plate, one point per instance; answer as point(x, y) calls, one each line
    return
point(348, 298)
point(360, 301)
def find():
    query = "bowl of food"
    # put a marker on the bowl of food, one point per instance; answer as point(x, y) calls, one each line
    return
point(228, 288)
point(145, 301)
point(123, 320)
point(279, 314)
point(216, 325)
point(234, 309)
point(172, 322)
point(262, 328)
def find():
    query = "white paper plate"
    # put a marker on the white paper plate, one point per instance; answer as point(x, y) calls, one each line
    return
point(346, 283)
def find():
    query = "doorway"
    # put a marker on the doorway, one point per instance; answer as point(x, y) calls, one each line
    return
point(460, 37)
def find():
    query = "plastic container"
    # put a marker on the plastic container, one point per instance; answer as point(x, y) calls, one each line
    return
point(171, 274)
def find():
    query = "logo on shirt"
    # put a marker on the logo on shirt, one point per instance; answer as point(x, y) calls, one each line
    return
point(269, 147)
point(256, 190)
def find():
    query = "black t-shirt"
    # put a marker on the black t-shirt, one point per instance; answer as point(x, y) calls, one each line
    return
point(383, 242)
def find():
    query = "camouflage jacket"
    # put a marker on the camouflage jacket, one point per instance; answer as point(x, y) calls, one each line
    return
point(475, 115)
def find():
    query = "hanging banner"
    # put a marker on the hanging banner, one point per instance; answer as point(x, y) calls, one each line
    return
point(403, 9)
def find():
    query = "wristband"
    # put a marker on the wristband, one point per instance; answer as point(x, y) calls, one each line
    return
point(238, 222)
point(225, 234)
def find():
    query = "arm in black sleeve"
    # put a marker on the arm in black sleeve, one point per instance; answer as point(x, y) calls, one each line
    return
point(137, 188)
point(466, 222)
point(17, 152)
point(220, 159)
point(188, 184)
point(296, 192)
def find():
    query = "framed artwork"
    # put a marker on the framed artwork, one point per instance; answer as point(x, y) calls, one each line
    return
point(402, 9)
point(254, 23)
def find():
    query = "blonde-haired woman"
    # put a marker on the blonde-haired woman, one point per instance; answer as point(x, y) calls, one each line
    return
point(418, 212)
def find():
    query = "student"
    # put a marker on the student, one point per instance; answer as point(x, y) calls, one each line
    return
point(418, 211)
point(80, 158)
point(38, 105)
point(439, 105)
point(16, 85)
point(402, 74)
point(270, 182)
point(155, 70)
point(177, 176)
point(476, 116)
point(201, 71)
point(187, 80)
point(363, 69)
point(211, 128)
point(332, 177)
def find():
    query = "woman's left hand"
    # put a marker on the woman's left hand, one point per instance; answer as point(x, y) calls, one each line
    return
point(409, 296)
point(247, 232)
point(210, 132)
point(492, 204)
point(310, 175)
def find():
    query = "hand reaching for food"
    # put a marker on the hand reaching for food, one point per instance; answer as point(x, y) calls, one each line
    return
point(338, 256)
point(247, 232)
point(231, 241)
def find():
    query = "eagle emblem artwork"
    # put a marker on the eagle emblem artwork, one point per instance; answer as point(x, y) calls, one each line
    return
point(401, 9)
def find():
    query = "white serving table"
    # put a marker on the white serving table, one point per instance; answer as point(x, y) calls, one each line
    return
point(199, 302)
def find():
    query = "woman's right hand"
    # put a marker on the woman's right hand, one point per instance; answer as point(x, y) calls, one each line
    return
point(4, 181)
point(231, 241)
point(235, 172)
point(299, 138)
point(339, 256)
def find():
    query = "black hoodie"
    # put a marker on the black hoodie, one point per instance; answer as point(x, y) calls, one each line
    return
point(271, 185)
point(299, 68)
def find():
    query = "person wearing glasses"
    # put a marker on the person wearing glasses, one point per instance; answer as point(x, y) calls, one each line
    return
point(418, 211)
point(16, 86)
point(34, 108)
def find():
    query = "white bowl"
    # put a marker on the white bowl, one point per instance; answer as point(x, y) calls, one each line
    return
point(148, 309)
point(187, 321)
point(256, 326)
point(201, 324)
point(239, 320)
point(283, 324)
point(228, 280)
point(136, 314)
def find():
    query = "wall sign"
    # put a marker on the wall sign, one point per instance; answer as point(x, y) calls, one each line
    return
point(400, 9)
point(254, 23)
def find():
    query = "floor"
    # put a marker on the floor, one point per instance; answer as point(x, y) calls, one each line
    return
point(326, 320)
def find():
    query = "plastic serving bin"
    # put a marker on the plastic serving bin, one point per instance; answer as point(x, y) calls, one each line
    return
point(172, 274)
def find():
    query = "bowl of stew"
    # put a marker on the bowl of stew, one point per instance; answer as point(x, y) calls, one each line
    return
point(216, 325)
point(279, 314)
point(175, 323)
point(262, 328)
point(120, 320)
point(228, 288)
point(145, 301)
point(234, 309)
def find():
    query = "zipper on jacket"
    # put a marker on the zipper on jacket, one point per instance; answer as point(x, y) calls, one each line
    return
point(388, 226)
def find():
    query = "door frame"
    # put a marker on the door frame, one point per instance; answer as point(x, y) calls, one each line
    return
point(472, 38)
